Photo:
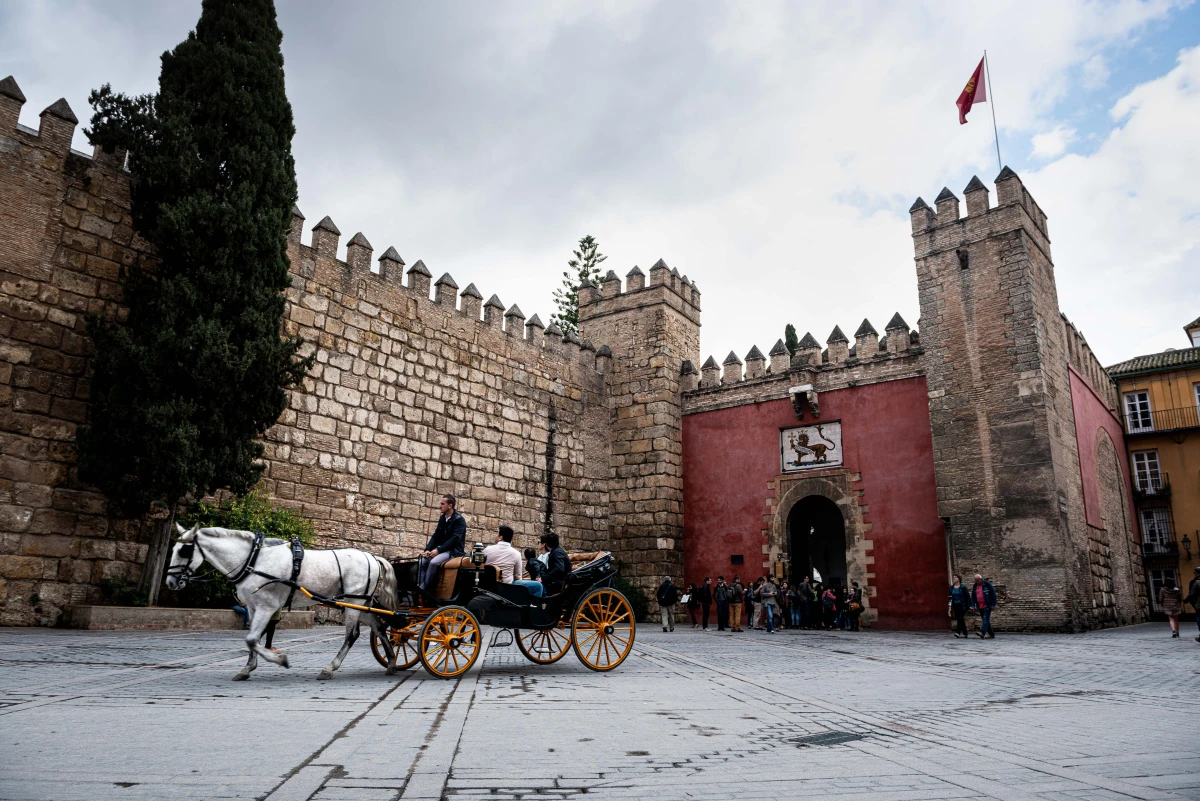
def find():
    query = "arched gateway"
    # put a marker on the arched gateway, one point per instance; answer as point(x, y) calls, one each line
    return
point(816, 536)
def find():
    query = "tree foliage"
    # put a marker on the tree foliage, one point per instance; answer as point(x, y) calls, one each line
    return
point(790, 340)
point(184, 388)
point(584, 268)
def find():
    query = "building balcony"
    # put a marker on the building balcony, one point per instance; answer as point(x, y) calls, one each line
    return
point(1163, 421)
point(1147, 490)
point(1161, 549)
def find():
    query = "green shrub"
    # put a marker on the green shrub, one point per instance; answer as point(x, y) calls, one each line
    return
point(637, 598)
point(121, 593)
point(251, 512)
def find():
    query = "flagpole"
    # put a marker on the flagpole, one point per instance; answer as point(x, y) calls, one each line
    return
point(992, 102)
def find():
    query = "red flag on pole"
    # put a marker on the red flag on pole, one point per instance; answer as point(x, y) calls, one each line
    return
point(975, 92)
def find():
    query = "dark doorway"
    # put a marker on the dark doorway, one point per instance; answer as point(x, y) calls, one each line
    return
point(817, 539)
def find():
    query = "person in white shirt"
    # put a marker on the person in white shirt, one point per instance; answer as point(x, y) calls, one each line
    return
point(509, 562)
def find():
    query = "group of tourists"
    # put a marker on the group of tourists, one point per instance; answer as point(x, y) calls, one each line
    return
point(767, 605)
point(981, 597)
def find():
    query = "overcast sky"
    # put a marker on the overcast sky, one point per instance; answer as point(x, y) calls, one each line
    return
point(768, 150)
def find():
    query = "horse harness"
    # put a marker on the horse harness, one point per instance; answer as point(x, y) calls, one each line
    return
point(249, 568)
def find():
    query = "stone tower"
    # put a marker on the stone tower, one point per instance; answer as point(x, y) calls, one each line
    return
point(1005, 452)
point(652, 329)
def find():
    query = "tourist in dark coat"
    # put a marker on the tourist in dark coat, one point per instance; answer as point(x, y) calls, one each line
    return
point(704, 596)
point(721, 594)
point(693, 605)
point(960, 602)
point(667, 596)
point(558, 564)
point(983, 598)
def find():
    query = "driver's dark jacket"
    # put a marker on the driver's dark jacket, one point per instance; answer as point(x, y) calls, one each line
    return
point(558, 567)
point(449, 536)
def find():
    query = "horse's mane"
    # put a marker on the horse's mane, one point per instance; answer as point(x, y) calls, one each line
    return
point(248, 536)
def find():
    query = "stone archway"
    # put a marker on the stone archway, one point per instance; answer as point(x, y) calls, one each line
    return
point(816, 537)
point(835, 487)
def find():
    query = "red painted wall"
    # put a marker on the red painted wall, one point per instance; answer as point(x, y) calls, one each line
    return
point(730, 455)
point(1091, 415)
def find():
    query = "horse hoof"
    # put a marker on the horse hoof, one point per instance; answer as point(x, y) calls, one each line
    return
point(241, 676)
point(283, 661)
point(391, 672)
point(325, 675)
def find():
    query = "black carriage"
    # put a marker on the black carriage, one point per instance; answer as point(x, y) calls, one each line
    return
point(442, 630)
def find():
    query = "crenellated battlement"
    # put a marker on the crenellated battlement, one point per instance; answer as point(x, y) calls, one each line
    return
point(665, 285)
point(941, 228)
point(1081, 357)
point(870, 359)
point(55, 130)
point(386, 286)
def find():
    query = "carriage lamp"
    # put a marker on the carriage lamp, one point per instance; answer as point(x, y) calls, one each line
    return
point(477, 555)
point(1187, 543)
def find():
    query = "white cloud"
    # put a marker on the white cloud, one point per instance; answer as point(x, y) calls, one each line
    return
point(1053, 143)
point(1095, 72)
point(1125, 220)
point(769, 150)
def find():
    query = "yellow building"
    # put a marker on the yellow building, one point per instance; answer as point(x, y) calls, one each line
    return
point(1160, 404)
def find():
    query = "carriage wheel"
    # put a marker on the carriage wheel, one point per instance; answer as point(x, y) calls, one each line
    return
point(544, 646)
point(603, 629)
point(404, 642)
point(450, 642)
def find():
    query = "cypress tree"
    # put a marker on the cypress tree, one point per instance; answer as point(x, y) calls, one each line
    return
point(583, 269)
point(186, 385)
point(790, 340)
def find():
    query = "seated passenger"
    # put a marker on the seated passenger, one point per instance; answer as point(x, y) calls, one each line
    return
point(558, 564)
point(447, 541)
point(507, 561)
point(535, 569)
point(534, 566)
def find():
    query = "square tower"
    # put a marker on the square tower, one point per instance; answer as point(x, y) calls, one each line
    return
point(651, 328)
point(1005, 452)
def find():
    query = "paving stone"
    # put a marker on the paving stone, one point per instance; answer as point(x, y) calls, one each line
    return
point(144, 715)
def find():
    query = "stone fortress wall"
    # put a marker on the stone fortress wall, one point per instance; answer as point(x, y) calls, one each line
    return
point(410, 396)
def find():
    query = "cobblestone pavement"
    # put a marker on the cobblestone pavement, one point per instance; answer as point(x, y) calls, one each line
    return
point(141, 715)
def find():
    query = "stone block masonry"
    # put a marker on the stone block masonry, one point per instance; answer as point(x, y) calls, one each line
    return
point(410, 396)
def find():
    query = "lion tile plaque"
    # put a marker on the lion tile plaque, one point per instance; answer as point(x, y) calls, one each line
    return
point(806, 447)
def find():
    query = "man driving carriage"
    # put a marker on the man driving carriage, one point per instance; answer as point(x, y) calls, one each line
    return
point(448, 541)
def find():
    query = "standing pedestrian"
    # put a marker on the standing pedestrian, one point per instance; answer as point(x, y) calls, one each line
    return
point(768, 593)
point(1194, 596)
point(721, 599)
point(750, 605)
point(855, 606)
point(668, 596)
point(737, 598)
point(785, 605)
point(983, 598)
point(758, 603)
point(1170, 597)
point(960, 602)
point(794, 603)
point(693, 605)
point(704, 595)
point(828, 608)
point(805, 592)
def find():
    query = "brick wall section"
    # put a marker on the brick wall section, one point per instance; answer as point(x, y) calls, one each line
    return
point(66, 229)
point(652, 329)
point(996, 356)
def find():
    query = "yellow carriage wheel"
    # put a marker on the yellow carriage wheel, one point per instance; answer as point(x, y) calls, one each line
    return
point(404, 642)
point(603, 629)
point(544, 646)
point(450, 642)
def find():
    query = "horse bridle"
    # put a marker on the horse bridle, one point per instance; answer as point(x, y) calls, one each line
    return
point(188, 549)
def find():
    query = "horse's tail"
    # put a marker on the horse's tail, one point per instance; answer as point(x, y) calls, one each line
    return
point(821, 434)
point(385, 596)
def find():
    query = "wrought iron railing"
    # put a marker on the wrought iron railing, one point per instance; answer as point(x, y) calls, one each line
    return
point(1160, 548)
point(1152, 488)
point(1163, 420)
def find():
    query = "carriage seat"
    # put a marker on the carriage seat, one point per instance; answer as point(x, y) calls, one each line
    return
point(449, 575)
point(578, 560)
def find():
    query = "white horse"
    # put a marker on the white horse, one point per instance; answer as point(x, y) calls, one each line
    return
point(349, 572)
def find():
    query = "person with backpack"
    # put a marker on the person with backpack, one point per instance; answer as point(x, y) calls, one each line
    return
point(737, 598)
point(828, 608)
point(668, 596)
point(721, 595)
